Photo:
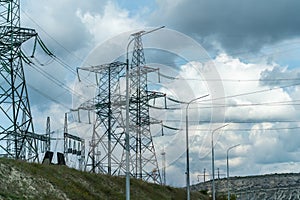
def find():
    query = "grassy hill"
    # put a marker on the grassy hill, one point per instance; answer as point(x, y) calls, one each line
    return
point(20, 180)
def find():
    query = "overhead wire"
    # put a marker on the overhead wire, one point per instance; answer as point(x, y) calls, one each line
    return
point(204, 105)
point(57, 59)
point(58, 43)
point(250, 93)
point(233, 121)
point(250, 129)
point(53, 56)
point(263, 54)
point(56, 81)
point(43, 72)
point(47, 96)
point(173, 78)
point(227, 79)
point(278, 103)
point(166, 76)
point(232, 53)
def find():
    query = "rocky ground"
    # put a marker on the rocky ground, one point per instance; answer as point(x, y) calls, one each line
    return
point(274, 186)
point(20, 180)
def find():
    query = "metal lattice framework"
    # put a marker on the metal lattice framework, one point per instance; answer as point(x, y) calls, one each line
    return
point(47, 144)
point(144, 157)
point(107, 147)
point(70, 147)
point(108, 137)
point(17, 137)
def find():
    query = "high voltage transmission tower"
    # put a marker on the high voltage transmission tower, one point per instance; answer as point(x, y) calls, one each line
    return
point(144, 156)
point(106, 146)
point(17, 137)
point(106, 152)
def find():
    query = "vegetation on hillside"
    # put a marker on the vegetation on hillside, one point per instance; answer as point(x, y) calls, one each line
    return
point(20, 180)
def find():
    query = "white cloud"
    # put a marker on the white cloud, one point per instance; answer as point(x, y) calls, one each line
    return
point(82, 24)
point(114, 20)
point(56, 114)
point(262, 139)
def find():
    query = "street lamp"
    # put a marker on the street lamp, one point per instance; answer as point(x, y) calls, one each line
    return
point(127, 111)
point(228, 189)
point(187, 146)
point(213, 160)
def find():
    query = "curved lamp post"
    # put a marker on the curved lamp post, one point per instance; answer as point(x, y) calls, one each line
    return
point(127, 113)
point(228, 189)
point(213, 160)
point(187, 146)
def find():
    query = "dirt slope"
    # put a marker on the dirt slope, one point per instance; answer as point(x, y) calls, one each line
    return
point(20, 180)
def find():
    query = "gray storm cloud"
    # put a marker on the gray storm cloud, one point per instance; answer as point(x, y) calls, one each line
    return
point(234, 24)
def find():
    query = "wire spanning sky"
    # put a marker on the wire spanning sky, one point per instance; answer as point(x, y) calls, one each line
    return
point(255, 47)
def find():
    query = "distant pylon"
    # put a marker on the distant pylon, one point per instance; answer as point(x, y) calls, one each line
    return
point(48, 132)
point(163, 154)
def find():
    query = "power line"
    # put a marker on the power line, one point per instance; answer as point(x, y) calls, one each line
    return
point(201, 105)
point(251, 129)
point(54, 57)
point(250, 93)
point(232, 121)
point(287, 103)
point(56, 81)
point(47, 96)
point(228, 79)
point(58, 43)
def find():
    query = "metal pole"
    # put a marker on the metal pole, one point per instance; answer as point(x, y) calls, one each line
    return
point(227, 164)
point(187, 146)
point(213, 167)
point(228, 189)
point(187, 156)
point(127, 115)
point(213, 160)
point(127, 129)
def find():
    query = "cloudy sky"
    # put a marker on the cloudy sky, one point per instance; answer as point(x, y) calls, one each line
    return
point(253, 83)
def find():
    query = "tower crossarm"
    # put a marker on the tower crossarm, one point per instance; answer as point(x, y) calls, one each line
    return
point(98, 69)
point(142, 71)
point(148, 69)
point(155, 94)
point(17, 34)
point(155, 121)
point(88, 105)
point(91, 105)
point(29, 135)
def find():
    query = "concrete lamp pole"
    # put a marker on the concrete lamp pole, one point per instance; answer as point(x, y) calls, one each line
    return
point(187, 146)
point(127, 112)
point(213, 160)
point(228, 189)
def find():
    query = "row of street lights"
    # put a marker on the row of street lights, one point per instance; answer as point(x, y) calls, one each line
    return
point(213, 156)
point(213, 159)
point(228, 188)
point(187, 141)
point(187, 146)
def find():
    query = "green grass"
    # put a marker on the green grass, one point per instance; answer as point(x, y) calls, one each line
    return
point(20, 180)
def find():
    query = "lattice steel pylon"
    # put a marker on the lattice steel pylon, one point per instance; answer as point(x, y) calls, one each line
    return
point(108, 138)
point(106, 152)
point(144, 157)
point(16, 127)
